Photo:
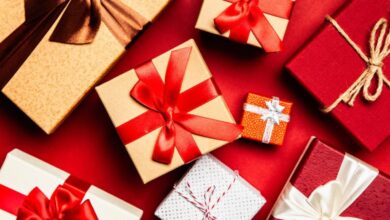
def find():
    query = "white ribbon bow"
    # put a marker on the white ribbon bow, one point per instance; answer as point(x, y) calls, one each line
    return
point(272, 115)
point(328, 201)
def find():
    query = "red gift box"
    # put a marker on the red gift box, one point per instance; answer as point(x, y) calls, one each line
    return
point(320, 170)
point(328, 65)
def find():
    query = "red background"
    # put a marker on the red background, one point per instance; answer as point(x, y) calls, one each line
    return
point(87, 145)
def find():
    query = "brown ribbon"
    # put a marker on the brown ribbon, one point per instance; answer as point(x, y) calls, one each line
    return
point(79, 24)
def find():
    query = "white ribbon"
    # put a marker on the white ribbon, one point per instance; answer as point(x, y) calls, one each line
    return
point(272, 115)
point(328, 201)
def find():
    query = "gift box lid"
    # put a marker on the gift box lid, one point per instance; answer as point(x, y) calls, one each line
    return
point(327, 66)
point(23, 172)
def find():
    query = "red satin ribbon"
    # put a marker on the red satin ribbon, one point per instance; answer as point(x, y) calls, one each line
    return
point(65, 203)
point(168, 108)
point(245, 16)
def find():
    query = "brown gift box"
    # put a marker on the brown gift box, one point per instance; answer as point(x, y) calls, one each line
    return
point(56, 76)
point(212, 8)
point(121, 108)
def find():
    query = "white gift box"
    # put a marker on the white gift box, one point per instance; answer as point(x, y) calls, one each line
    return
point(233, 197)
point(22, 173)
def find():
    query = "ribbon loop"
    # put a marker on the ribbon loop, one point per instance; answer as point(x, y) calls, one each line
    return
point(328, 201)
point(379, 49)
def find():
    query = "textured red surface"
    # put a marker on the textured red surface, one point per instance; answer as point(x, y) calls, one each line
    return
point(87, 145)
point(328, 73)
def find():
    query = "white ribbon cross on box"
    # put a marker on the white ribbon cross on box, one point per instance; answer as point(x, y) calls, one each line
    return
point(272, 115)
point(328, 201)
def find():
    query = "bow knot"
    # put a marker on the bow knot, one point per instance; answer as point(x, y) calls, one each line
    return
point(379, 49)
point(63, 205)
point(207, 203)
point(375, 63)
point(274, 112)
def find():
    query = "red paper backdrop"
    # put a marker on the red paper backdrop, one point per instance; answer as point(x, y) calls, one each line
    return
point(87, 145)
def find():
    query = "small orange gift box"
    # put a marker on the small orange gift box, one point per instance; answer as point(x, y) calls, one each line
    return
point(265, 119)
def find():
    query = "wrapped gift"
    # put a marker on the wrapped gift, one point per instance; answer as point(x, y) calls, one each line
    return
point(265, 119)
point(330, 185)
point(61, 49)
point(347, 77)
point(211, 190)
point(33, 189)
point(255, 22)
point(167, 123)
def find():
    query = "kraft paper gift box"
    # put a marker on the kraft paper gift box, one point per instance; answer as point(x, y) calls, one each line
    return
point(328, 66)
point(268, 20)
point(328, 184)
point(228, 196)
point(51, 78)
point(265, 119)
point(141, 128)
point(23, 174)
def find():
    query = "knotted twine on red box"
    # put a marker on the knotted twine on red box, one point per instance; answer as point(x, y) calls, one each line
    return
point(169, 109)
point(245, 16)
point(64, 204)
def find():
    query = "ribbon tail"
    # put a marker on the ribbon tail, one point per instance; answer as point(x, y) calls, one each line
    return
point(264, 32)
point(79, 24)
point(210, 128)
point(186, 145)
point(165, 145)
point(123, 22)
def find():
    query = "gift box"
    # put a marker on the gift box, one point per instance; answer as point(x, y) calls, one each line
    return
point(265, 119)
point(33, 189)
point(332, 70)
point(167, 123)
point(330, 185)
point(254, 22)
point(58, 52)
point(211, 190)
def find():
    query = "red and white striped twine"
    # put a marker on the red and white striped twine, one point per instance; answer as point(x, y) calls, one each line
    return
point(207, 205)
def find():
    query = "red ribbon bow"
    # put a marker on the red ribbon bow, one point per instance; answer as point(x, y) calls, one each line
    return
point(169, 108)
point(64, 204)
point(245, 16)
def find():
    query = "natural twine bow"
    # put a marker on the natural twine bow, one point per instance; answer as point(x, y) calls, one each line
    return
point(379, 50)
point(207, 205)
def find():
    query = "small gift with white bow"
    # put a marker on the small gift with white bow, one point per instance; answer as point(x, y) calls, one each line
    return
point(210, 191)
point(329, 185)
point(265, 119)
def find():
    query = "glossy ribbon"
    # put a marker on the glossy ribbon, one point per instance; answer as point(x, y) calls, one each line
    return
point(272, 115)
point(168, 109)
point(328, 201)
point(243, 17)
point(64, 204)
